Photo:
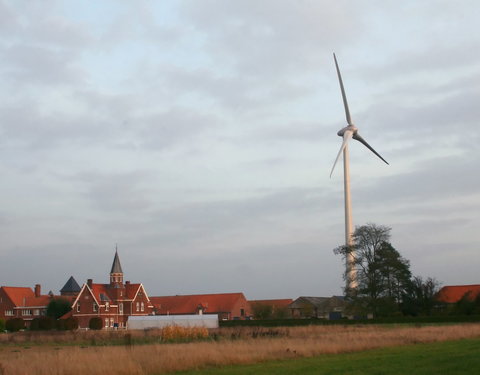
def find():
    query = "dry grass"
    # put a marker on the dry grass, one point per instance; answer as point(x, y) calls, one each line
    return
point(233, 346)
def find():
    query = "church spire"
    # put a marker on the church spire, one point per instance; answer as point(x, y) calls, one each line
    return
point(116, 274)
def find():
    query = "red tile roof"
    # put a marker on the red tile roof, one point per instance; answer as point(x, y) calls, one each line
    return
point(453, 293)
point(18, 294)
point(23, 296)
point(188, 304)
point(277, 303)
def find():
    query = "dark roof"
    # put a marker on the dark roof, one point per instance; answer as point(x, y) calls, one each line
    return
point(71, 286)
point(116, 266)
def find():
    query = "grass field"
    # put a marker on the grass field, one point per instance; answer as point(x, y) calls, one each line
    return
point(236, 346)
point(447, 358)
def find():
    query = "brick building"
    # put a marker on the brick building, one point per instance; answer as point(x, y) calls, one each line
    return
point(23, 302)
point(228, 306)
point(113, 302)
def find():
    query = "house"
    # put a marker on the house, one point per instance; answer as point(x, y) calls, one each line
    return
point(23, 302)
point(228, 306)
point(454, 293)
point(318, 307)
point(113, 302)
point(270, 308)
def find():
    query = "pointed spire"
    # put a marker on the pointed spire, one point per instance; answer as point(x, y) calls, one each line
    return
point(116, 266)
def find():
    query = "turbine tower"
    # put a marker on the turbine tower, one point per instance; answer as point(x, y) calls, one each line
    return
point(350, 131)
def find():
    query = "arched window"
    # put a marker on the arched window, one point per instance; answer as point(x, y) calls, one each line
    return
point(107, 306)
point(142, 307)
point(120, 307)
point(138, 306)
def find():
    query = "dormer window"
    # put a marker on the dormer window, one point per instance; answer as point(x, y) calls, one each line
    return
point(107, 306)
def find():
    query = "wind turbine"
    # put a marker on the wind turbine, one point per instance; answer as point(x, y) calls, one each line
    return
point(348, 132)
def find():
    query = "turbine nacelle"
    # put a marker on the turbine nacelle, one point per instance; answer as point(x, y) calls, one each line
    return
point(351, 128)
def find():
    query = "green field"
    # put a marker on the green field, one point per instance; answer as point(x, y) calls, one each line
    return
point(444, 358)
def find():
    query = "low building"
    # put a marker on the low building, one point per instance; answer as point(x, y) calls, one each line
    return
point(318, 307)
point(113, 302)
point(228, 306)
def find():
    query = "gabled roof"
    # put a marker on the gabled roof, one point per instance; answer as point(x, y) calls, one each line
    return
point(18, 294)
point(320, 303)
point(116, 266)
point(453, 293)
point(189, 304)
point(25, 297)
point(71, 286)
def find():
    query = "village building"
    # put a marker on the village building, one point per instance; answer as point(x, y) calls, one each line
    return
point(113, 302)
point(453, 293)
point(318, 307)
point(228, 306)
point(23, 302)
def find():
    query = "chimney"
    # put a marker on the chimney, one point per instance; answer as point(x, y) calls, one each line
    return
point(37, 290)
point(89, 283)
point(127, 282)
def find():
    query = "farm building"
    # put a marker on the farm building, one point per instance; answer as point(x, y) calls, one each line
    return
point(318, 307)
point(270, 308)
point(453, 293)
point(227, 306)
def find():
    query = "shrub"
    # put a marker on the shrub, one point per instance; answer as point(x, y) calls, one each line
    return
point(15, 324)
point(95, 323)
point(2, 325)
point(35, 324)
point(45, 323)
point(70, 323)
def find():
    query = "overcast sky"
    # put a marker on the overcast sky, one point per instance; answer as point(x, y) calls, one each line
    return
point(199, 137)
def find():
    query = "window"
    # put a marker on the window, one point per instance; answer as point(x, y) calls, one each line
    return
point(112, 324)
point(106, 322)
point(107, 306)
point(9, 312)
point(78, 307)
point(142, 307)
point(138, 306)
point(26, 312)
point(120, 308)
point(95, 307)
point(242, 312)
point(36, 312)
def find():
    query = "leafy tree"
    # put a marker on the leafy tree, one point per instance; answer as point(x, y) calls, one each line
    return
point(262, 310)
point(383, 275)
point(15, 324)
point(2, 325)
point(58, 307)
point(421, 297)
point(95, 323)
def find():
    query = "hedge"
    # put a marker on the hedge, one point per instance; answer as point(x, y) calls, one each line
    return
point(392, 320)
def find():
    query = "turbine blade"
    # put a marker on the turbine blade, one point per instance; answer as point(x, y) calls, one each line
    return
point(346, 136)
point(360, 139)
point(345, 104)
